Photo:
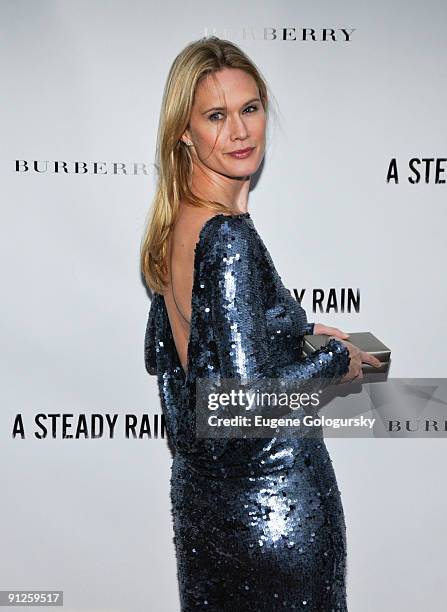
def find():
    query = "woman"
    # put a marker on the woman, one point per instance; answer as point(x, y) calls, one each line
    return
point(258, 523)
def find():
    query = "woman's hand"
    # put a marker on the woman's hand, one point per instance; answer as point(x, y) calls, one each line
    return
point(330, 331)
point(357, 356)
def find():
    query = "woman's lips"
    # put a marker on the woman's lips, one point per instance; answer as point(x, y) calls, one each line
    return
point(242, 153)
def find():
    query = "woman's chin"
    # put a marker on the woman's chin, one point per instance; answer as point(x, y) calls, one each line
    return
point(241, 169)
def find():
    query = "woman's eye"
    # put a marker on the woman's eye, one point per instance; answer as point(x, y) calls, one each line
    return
point(215, 116)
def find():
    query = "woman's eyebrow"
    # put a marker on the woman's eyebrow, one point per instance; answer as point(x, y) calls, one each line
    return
point(224, 107)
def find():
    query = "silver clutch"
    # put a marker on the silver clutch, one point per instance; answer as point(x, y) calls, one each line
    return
point(365, 341)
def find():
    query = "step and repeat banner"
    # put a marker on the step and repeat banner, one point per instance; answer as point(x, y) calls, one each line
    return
point(350, 202)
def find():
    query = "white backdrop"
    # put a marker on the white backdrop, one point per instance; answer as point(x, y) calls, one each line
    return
point(82, 82)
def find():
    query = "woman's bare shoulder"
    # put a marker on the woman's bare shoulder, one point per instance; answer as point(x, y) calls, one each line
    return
point(192, 221)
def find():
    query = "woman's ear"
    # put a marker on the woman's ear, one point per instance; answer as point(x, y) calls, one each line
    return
point(186, 139)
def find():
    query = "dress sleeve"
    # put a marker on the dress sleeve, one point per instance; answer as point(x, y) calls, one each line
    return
point(309, 329)
point(238, 317)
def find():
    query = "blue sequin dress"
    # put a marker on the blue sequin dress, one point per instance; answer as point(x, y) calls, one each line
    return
point(259, 523)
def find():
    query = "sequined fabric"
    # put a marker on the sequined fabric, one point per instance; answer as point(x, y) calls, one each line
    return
point(258, 523)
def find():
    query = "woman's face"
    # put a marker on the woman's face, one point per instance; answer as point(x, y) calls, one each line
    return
point(227, 116)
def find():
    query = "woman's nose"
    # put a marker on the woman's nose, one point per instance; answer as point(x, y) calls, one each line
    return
point(238, 127)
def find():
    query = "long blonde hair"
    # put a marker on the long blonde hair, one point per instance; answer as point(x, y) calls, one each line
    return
point(173, 159)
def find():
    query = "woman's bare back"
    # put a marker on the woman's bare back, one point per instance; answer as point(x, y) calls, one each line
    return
point(178, 294)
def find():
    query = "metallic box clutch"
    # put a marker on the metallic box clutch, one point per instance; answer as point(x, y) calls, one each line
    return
point(365, 341)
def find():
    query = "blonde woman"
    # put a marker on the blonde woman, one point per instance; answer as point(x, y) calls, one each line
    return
point(258, 523)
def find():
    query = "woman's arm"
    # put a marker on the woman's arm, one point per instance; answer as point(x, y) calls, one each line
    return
point(238, 316)
point(310, 329)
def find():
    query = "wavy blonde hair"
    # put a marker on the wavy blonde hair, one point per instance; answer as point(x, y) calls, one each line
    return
point(173, 159)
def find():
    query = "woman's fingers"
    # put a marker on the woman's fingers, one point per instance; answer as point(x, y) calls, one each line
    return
point(334, 331)
point(342, 333)
point(368, 358)
point(319, 328)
